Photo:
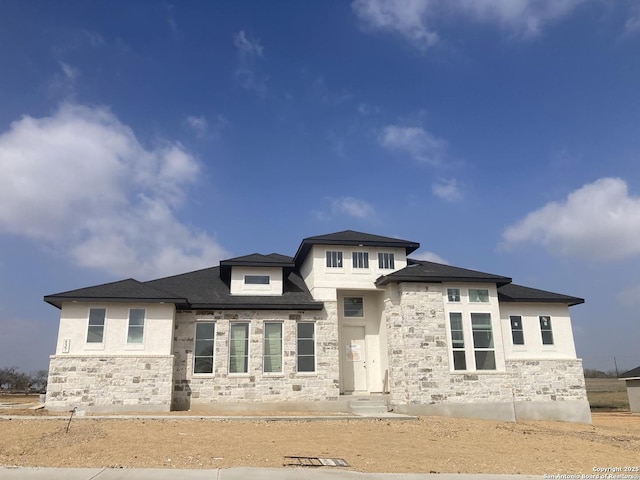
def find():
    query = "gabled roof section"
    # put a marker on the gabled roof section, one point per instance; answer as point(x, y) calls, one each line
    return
point(424, 271)
point(205, 289)
point(259, 260)
point(129, 290)
point(634, 373)
point(353, 238)
point(518, 293)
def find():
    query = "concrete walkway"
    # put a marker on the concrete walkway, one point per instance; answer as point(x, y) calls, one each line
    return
point(238, 473)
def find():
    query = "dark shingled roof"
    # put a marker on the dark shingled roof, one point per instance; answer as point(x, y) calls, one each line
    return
point(123, 291)
point(353, 238)
point(424, 271)
point(518, 293)
point(634, 373)
point(204, 289)
point(259, 260)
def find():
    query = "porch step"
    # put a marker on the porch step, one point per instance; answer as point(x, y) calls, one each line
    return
point(368, 406)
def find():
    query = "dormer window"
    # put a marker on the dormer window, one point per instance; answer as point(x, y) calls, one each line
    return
point(257, 279)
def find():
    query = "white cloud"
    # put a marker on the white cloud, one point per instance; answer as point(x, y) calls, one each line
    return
point(81, 182)
point(202, 127)
point(599, 221)
point(632, 25)
point(447, 189)
point(429, 257)
point(420, 144)
point(246, 47)
point(249, 52)
point(415, 19)
point(352, 207)
point(404, 17)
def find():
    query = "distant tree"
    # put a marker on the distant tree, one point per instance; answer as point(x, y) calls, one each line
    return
point(39, 380)
point(592, 373)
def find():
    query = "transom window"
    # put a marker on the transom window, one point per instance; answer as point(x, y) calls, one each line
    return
point(480, 295)
point(239, 348)
point(360, 260)
point(95, 330)
point(457, 341)
point(257, 279)
point(353, 307)
point(483, 341)
point(306, 351)
point(517, 333)
point(334, 259)
point(204, 347)
point(136, 325)
point(453, 294)
point(545, 329)
point(386, 261)
point(272, 359)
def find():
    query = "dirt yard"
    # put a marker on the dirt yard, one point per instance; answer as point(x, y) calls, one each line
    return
point(429, 444)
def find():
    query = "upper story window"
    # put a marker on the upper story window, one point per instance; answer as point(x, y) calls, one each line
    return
point(135, 333)
point(517, 333)
point(545, 329)
point(453, 294)
point(479, 295)
point(353, 307)
point(95, 331)
point(334, 259)
point(257, 279)
point(386, 261)
point(360, 260)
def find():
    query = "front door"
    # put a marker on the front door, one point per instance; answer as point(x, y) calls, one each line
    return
point(354, 359)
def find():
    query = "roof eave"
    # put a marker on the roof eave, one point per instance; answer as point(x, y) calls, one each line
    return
point(410, 278)
point(255, 306)
point(57, 301)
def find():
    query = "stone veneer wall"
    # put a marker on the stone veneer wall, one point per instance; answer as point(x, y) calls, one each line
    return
point(110, 383)
point(239, 391)
point(421, 381)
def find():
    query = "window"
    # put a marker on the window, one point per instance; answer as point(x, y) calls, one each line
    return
point(517, 335)
point(306, 347)
point(136, 325)
point(353, 307)
point(545, 329)
point(95, 331)
point(483, 341)
point(479, 295)
point(386, 261)
point(239, 348)
point(204, 348)
point(334, 259)
point(453, 294)
point(360, 260)
point(457, 342)
point(257, 279)
point(272, 360)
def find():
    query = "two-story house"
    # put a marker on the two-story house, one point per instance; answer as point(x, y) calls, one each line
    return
point(349, 315)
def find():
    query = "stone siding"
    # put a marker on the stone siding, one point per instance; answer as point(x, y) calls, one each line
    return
point(421, 380)
point(109, 383)
point(222, 389)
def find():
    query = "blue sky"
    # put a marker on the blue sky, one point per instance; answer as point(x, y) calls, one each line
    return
point(142, 139)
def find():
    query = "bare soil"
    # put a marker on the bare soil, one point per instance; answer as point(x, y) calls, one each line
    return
point(429, 444)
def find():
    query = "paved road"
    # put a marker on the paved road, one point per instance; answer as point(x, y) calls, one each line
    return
point(239, 473)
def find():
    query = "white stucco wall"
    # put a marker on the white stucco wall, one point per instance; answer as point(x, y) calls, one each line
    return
point(323, 281)
point(563, 344)
point(158, 330)
point(238, 287)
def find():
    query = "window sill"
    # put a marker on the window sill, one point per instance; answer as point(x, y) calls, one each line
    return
point(94, 346)
point(306, 374)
